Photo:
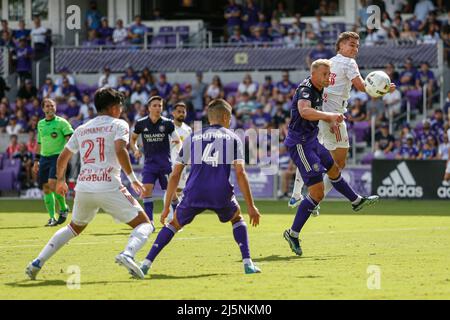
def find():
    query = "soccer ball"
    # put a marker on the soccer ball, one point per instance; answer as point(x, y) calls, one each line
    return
point(377, 84)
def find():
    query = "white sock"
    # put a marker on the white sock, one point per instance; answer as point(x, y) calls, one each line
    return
point(327, 185)
point(138, 238)
point(298, 185)
point(293, 233)
point(357, 201)
point(248, 262)
point(60, 238)
point(147, 263)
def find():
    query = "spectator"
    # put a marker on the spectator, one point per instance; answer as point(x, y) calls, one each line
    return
point(393, 34)
point(198, 92)
point(120, 34)
point(3, 87)
point(33, 123)
point(357, 112)
point(36, 109)
point(7, 41)
point(32, 142)
point(425, 77)
point(72, 111)
point(407, 77)
point(67, 91)
point(27, 91)
point(372, 37)
point(422, 8)
point(362, 15)
point(91, 115)
point(280, 115)
point(393, 103)
point(319, 25)
point(247, 85)
point(392, 73)
point(266, 89)
point(26, 160)
point(384, 143)
point(13, 146)
point(5, 26)
point(408, 151)
point(86, 105)
point(262, 24)
point(107, 80)
point(148, 76)
point(292, 40)
point(92, 39)
point(249, 16)
point(285, 86)
point(22, 32)
point(24, 60)
point(280, 12)
point(105, 32)
point(4, 118)
point(259, 39)
point(232, 15)
point(137, 31)
point(391, 6)
point(447, 107)
point(93, 16)
point(432, 36)
point(375, 109)
point(429, 150)
point(275, 30)
point(261, 119)
point(64, 73)
point(425, 133)
point(414, 23)
point(13, 127)
point(39, 35)
point(437, 124)
point(129, 77)
point(298, 25)
point(386, 23)
point(140, 111)
point(444, 148)
point(164, 88)
point(320, 52)
point(237, 38)
point(22, 119)
point(407, 34)
point(245, 109)
point(215, 89)
point(139, 94)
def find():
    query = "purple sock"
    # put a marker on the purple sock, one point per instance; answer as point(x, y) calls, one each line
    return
point(164, 236)
point(342, 186)
point(148, 207)
point(303, 213)
point(241, 237)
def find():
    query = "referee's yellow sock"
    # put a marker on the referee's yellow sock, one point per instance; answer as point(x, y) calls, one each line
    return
point(49, 200)
point(61, 201)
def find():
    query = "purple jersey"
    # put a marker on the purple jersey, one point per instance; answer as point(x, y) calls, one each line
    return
point(302, 131)
point(155, 137)
point(285, 88)
point(408, 152)
point(211, 152)
point(24, 62)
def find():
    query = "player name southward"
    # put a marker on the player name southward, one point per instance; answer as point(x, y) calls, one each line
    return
point(101, 175)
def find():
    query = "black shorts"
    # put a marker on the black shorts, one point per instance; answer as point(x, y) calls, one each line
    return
point(47, 169)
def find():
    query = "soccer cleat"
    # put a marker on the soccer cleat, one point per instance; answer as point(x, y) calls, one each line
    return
point(130, 265)
point(145, 269)
point(52, 223)
point(63, 216)
point(294, 243)
point(294, 202)
point(33, 269)
point(365, 202)
point(250, 269)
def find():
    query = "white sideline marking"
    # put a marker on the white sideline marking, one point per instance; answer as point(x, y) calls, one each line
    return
point(228, 236)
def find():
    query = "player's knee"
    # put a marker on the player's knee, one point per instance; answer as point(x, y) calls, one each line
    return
point(46, 189)
point(317, 195)
point(340, 164)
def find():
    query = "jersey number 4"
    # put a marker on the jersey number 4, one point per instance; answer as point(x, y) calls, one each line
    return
point(90, 147)
point(208, 158)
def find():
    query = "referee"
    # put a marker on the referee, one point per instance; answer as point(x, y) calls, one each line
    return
point(53, 134)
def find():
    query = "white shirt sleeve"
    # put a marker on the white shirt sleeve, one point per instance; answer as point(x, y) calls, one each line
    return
point(352, 70)
point(73, 145)
point(122, 131)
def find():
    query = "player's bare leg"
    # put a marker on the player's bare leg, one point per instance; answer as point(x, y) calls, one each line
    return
point(241, 237)
point(59, 239)
point(148, 200)
point(142, 228)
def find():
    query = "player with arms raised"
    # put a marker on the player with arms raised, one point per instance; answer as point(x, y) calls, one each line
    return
point(312, 158)
point(211, 152)
point(159, 137)
point(102, 144)
point(344, 74)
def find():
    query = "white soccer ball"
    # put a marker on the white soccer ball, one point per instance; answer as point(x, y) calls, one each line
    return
point(377, 84)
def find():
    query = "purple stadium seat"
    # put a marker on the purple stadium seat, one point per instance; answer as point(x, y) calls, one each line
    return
point(82, 87)
point(165, 30)
point(61, 107)
point(360, 130)
point(1, 160)
point(29, 107)
point(171, 41)
point(339, 26)
point(367, 159)
point(12, 165)
point(6, 180)
point(158, 42)
point(183, 31)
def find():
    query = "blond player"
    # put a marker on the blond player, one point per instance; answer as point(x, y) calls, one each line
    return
point(102, 144)
point(179, 114)
point(344, 75)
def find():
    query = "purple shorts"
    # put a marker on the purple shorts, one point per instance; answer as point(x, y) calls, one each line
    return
point(150, 176)
point(312, 160)
point(185, 213)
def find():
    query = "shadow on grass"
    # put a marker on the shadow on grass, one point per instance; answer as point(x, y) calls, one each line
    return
point(21, 228)
point(58, 283)
point(109, 234)
point(275, 258)
point(167, 277)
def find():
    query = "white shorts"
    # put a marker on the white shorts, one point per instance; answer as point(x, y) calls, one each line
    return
point(330, 140)
point(120, 204)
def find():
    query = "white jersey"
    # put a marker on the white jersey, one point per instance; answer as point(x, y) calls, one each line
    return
point(184, 131)
point(100, 168)
point(343, 71)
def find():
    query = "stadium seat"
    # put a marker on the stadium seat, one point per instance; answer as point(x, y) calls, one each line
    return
point(61, 107)
point(368, 158)
point(339, 26)
point(165, 30)
point(231, 88)
point(1, 160)
point(360, 129)
point(158, 42)
point(183, 31)
point(12, 165)
point(171, 41)
point(6, 180)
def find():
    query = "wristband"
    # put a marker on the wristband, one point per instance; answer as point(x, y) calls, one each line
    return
point(132, 177)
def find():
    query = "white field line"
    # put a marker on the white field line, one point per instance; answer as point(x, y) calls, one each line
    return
point(228, 236)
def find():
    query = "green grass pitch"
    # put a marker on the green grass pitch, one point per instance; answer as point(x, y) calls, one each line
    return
point(408, 242)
